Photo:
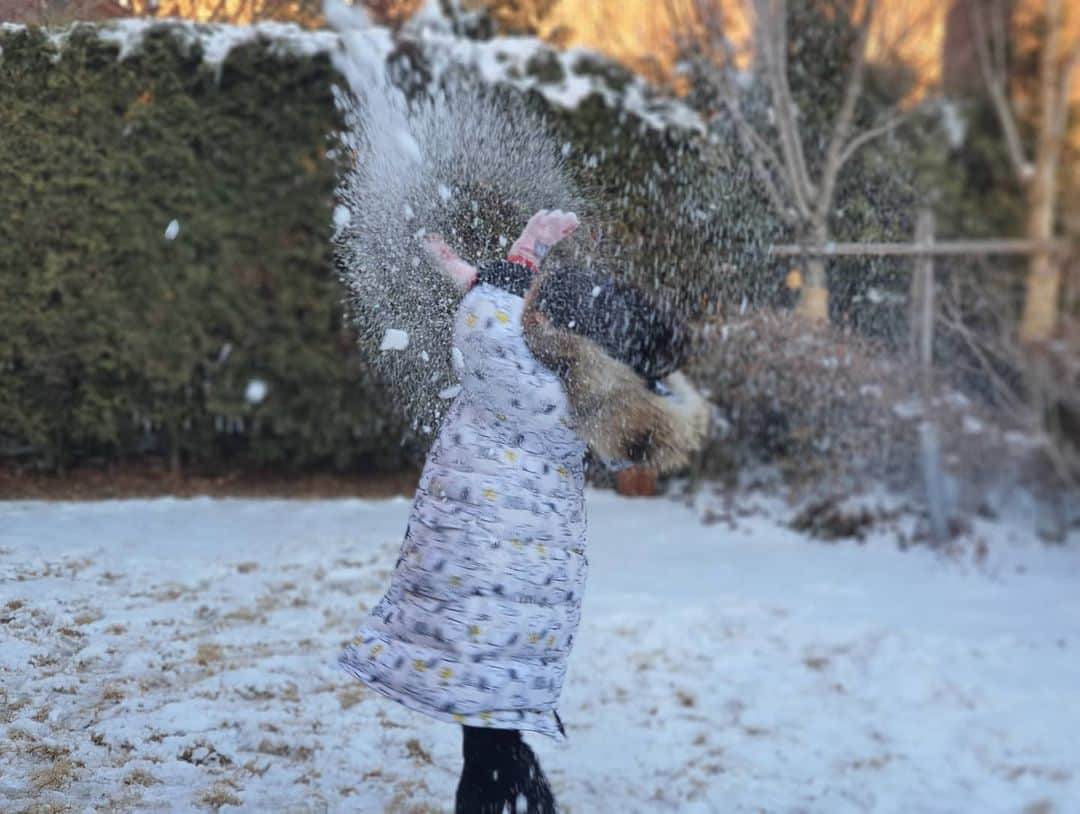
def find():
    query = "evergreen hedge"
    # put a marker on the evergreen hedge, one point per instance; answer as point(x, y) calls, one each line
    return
point(118, 343)
point(115, 341)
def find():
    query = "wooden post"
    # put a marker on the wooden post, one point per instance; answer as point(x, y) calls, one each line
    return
point(1071, 296)
point(922, 329)
point(923, 281)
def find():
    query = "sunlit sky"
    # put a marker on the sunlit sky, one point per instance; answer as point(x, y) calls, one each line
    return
point(640, 31)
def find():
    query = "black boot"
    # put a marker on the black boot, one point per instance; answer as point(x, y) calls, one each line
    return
point(501, 774)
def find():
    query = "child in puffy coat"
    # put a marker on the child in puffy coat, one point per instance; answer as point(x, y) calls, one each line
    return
point(486, 595)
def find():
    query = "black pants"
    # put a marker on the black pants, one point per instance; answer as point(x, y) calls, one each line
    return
point(501, 774)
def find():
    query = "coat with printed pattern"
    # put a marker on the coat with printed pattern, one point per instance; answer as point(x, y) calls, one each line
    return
point(486, 595)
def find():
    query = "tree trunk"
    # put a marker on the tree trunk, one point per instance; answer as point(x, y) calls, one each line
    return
point(1044, 277)
point(814, 298)
point(1044, 273)
point(923, 329)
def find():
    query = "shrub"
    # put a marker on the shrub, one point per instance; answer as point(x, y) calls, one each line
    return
point(831, 409)
point(116, 341)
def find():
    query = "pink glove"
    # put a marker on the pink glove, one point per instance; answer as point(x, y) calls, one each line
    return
point(544, 229)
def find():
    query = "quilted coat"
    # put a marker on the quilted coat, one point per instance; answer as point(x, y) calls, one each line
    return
point(485, 597)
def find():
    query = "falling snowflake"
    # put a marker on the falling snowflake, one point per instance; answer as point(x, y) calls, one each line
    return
point(342, 216)
point(255, 391)
point(450, 392)
point(395, 339)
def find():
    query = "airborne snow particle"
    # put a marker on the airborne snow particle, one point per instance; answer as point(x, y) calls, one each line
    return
point(596, 291)
point(458, 359)
point(425, 356)
point(908, 409)
point(954, 125)
point(444, 192)
point(342, 216)
point(1020, 439)
point(408, 145)
point(395, 339)
point(255, 391)
point(172, 230)
point(450, 392)
point(972, 426)
point(409, 212)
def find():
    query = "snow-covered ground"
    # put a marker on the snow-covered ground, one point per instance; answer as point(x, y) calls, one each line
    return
point(178, 655)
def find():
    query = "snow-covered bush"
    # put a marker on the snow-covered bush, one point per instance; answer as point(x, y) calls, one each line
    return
point(832, 409)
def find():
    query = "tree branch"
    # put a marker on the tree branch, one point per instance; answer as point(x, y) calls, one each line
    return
point(780, 45)
point(995, 81)
point(1068, 74)
point(834, 154)
point(999, 39)
point(770, 18)
point(710, 23)
point(710, 18)
point(748, 138)
point(866, 136)
point(755, 141)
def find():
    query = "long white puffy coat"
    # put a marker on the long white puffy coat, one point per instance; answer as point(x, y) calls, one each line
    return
point(486, 595)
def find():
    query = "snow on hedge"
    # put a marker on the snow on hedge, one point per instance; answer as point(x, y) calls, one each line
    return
point(218, 40)
point(215, 40)
point(564, 78)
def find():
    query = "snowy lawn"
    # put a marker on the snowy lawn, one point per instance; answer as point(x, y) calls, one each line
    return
point(179, 655)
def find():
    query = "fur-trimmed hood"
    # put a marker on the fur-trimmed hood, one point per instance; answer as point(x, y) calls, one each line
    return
point(617, 355)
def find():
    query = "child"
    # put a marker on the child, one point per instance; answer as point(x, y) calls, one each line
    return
point(486, 594)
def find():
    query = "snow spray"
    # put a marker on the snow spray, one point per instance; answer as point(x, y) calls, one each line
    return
point(462, 161)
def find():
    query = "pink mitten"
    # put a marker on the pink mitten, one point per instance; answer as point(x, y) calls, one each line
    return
point(544, 229)
point(453, 266)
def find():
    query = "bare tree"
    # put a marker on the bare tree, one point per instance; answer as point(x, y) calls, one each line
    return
point(803, 199)
point(515, 16)
point(1035, 165)
point(304, 12)
point(390, 12)
point(58, 12)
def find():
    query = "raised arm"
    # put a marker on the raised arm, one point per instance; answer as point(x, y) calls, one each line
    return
point(544, 229)
point(461, 273)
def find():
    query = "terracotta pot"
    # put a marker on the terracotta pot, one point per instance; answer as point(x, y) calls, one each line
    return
point(635, 482)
